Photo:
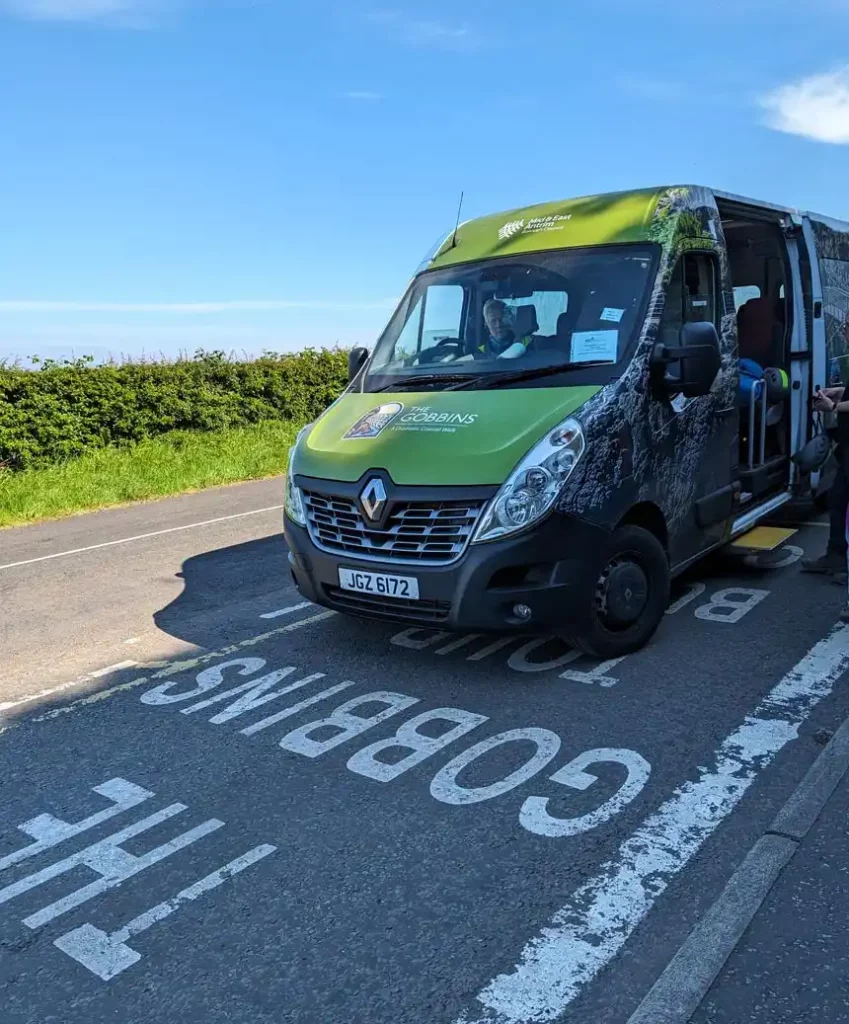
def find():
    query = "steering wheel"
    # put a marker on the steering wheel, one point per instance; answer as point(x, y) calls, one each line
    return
point(442, 346)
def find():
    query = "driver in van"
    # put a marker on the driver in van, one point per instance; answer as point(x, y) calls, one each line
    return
point(501, 340)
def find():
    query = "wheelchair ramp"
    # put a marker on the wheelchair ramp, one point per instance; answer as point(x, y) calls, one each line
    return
point(762, 538)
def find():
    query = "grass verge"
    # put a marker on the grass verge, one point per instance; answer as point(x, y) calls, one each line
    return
point(173, 463)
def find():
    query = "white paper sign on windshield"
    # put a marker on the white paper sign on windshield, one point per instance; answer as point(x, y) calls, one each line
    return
point(595, 346)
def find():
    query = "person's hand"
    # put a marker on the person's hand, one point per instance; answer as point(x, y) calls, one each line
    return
point(822, 402)
point(835, 394)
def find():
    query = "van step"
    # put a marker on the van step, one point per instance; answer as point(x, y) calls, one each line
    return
point(762, 538)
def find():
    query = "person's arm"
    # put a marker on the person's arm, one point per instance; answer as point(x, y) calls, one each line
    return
point(831, 400)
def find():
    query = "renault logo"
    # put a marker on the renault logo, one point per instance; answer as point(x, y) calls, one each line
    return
point(373, 498)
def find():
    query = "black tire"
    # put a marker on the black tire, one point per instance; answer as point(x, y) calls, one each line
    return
point(594, 635)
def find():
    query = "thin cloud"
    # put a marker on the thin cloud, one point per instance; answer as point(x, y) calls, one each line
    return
point(124, 13)
point(425, 32)
point(362, 96)
point(238, 305)
point(650, 88)
point(816, 107)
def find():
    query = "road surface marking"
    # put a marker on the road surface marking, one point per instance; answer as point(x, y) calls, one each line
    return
point(287, 611)
point(112, 668)
point(108, 859)
point(348, 722)
point(693, 591)
point(48, 831)
point(588, 932)
point(140, 536)
point(107, 955)
point(166, 668)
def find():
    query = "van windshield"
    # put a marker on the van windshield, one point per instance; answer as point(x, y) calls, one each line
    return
point(575, 309)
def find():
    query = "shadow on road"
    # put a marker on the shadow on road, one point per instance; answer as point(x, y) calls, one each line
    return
point(215, 578)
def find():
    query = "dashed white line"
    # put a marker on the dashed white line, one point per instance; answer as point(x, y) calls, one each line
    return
point(287, 611)
point(590, 930)
point(141, 536)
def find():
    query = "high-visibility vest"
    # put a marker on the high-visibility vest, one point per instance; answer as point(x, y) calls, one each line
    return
point(522, 341)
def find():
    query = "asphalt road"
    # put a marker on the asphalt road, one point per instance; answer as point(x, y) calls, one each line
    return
point(294, 816)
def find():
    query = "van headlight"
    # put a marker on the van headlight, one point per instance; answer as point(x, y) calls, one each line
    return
point(531, 489)
point(293, 498)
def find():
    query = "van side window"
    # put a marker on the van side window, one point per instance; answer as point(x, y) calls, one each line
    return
point(744, 292)
point(690, 298)
point(691, 295)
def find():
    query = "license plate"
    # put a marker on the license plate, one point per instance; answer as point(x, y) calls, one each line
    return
point(379, 583)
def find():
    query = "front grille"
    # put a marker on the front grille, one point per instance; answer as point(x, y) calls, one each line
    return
point(388, 608)
point(431, 532)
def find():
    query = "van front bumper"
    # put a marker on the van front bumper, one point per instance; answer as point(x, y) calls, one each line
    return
point(551, 569)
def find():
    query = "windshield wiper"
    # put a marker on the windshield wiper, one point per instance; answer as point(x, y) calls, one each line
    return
point(495, 380)
point(429, 378)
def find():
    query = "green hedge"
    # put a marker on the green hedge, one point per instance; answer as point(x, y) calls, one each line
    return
point(59, 412)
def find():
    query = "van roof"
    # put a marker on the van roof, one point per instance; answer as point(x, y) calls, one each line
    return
point(610, 217)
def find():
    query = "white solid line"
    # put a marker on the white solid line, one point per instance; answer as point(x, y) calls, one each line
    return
point(588, 932)
point(142, 536)
point(287, 611)
point(112, 668)
point(43, 693)
point(167, 668)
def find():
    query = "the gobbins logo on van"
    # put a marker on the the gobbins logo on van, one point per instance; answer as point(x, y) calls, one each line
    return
point(374, 421)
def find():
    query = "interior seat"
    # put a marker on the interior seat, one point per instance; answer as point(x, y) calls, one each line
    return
point(755, 331)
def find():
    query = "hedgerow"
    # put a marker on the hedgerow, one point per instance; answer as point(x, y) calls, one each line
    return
point(59, 412)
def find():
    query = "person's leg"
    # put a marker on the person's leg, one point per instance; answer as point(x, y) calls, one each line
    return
point(834, 559)
point(844, 615)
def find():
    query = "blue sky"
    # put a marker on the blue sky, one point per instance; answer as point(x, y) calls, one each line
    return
point(266, 174)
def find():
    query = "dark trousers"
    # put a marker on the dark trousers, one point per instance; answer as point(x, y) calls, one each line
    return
point(838, 499)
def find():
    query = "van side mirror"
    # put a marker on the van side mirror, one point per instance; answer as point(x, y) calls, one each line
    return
point(356, 360)
point(699, 356)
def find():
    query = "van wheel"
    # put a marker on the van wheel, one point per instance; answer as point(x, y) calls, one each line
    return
point(630, 598)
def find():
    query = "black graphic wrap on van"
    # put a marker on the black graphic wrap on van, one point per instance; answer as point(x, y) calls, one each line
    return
point(833, 247)
point(630, 435)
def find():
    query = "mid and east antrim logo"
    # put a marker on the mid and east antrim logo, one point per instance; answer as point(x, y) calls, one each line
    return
point(374, 421)
point(373, 498)
point(554, 222)
point(510, 229)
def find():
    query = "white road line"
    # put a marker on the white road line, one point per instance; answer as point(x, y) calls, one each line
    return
point(166, 668)
point(287, 611)
point(112, 668)
point(142, 536)
point(587, 933)
point(66, 686)
point(108, 955)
